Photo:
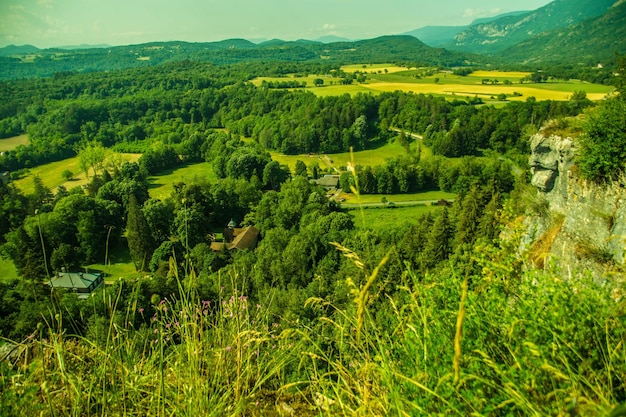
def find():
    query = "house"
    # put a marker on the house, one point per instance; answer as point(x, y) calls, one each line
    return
point(82, 283)
point(5, 177)
point(328, 182)
point(237, 238)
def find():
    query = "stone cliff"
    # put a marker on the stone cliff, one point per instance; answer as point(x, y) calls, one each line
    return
point(576, 225)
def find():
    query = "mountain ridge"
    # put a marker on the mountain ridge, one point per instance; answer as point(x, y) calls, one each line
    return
point(505, 32)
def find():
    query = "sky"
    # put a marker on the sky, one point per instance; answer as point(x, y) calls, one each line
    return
point(50, 23)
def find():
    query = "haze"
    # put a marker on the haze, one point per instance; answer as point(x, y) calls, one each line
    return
point(49, 23)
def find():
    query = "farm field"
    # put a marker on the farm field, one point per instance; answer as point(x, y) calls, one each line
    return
point(449, 85)
point(9, 144)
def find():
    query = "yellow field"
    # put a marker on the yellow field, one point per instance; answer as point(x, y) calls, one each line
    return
point(372, 67)
point(9, 144)
point(483, 91)
point(498, 74)
point(51, 177)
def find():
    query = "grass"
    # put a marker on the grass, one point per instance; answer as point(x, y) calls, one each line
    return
point(425, 197)
point(339, 161)
point(162, 184)
point(51, 177)
point(380, 218)
point(534, 345)
point(9, 144)
point(119, 265)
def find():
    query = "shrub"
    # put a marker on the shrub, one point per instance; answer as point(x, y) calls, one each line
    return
point(603, 142)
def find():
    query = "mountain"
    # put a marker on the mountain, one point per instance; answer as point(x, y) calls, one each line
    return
point(507, 31)
point(18, 50)
point(436, 36)
point(591, 41)
point(331, 39)
point(385, 49)
point(441, 36)
point(395, 48)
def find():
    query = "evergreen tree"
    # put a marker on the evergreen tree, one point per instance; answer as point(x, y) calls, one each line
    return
point(440, 239)
point(469, 217)
point(140, 241)
point(489, 226)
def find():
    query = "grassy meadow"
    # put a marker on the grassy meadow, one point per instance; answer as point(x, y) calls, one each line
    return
point(339, 161)
point(51, 174)
point(162, 185)
point(379, 218)
point(9, 144)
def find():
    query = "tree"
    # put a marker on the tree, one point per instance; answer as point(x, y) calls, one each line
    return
point(603, 142)
point(92, 155)
point(67, 175)
point(300, 168)
point(439, 245)
point(318, 82)
point(274, 175)
point(140, 241)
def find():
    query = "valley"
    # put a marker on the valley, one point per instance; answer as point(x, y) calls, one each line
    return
point(276, 228)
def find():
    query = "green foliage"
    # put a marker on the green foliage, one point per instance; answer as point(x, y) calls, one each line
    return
point(603, 142)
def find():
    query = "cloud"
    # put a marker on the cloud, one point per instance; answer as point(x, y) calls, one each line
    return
point(48, 4)
point(329, 26)
point(476, 13)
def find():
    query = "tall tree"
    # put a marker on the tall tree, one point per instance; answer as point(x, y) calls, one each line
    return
point(439, 245)
point(140, 241)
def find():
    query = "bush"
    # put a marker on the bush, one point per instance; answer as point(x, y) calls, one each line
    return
point(603, 142)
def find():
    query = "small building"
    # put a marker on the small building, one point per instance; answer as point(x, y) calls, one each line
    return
point(5, 177)
point(239, 238)
point(328, 182)
point(82, 283)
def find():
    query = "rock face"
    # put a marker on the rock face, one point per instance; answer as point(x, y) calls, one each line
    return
point(583, 224)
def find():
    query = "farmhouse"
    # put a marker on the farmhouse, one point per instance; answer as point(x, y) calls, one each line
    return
point(328, 182)
point(83, 284)
point(237, 238)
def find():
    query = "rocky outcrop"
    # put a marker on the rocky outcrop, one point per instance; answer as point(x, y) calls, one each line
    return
point(581, 225)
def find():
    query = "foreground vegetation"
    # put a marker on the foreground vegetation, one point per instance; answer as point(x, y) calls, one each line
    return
point(488, 339)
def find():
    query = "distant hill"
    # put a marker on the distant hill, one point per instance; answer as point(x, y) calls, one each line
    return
point(502, 33)
point(83, 46)
point(18, 50)
point(385, 49)
point(441, 36)
point(331, 39)
point(591, 41)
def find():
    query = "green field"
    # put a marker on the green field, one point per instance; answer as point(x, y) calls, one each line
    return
point(339, 161)
point(51, 177)
point(120, 264)
point(397, 198)
point(9, 144)
point(162, 185)
point(382, 218)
